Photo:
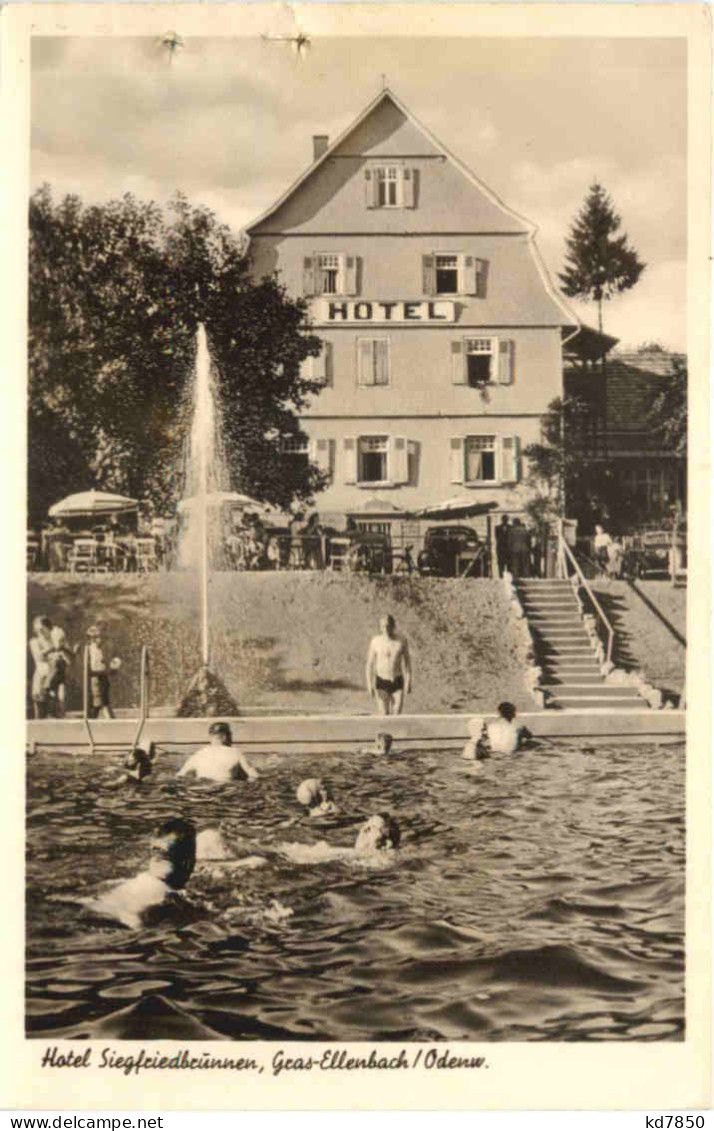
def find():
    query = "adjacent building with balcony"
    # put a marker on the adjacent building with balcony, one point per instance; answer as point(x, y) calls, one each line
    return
point(443, 335)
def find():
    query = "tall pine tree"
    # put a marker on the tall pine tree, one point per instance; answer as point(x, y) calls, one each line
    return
point(598, 264)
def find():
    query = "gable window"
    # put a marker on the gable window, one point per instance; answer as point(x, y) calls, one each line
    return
point(373, 362)
point(372, 459)
point(330, 273)
point(453, 273)
point(481, 361)
point(447, 274)
point(480, 459)
point(389, 186)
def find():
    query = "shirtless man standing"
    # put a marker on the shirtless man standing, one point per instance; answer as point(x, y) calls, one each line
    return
point(389, 672)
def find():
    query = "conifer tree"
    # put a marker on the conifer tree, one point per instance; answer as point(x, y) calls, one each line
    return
point(598, 264)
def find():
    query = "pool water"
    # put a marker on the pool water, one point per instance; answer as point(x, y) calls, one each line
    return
point(534, 898)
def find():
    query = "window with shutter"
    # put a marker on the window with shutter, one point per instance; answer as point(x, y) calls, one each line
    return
point(482, 359)
point(320, 364)
point(427, 271)
point(373, 459)
point(351, 272)
point(480, 459)
point(446, 273)
point(389, 186)
point(373, 367)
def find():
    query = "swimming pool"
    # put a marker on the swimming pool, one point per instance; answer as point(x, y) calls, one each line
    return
point(533, 898)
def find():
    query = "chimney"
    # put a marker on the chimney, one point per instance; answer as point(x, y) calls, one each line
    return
point(320, 142)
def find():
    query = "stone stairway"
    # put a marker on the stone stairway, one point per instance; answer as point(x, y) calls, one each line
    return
point(571, 673)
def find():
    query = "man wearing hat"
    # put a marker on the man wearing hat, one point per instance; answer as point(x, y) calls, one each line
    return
point(99, 675)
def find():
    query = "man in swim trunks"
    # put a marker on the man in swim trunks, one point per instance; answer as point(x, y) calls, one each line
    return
point(388, 671)
point(219, 761)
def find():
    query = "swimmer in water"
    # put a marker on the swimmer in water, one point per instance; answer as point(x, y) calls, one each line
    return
point(219, 761)
point(138, 764)
point(153, 892)
point(383, 744)
point(505, 735)
point(477, 748)
point(378, 834)
point(316, 797)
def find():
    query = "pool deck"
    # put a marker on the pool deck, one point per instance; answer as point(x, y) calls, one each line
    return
point(318, 733)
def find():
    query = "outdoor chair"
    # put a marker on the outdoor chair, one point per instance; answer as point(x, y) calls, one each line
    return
point(83, 555)
point(339, 548)
point(146, 559)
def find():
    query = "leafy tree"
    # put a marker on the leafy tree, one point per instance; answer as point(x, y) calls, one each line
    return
point(668, 414)
point(116, 294)
point(599, 264)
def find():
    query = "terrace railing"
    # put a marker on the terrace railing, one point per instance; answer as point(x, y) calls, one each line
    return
point(567, 562)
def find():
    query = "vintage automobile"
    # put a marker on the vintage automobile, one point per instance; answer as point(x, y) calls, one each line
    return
point(452, 551)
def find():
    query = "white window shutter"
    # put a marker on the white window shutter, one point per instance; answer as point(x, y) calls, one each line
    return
point(458, 363)
point(509, 459)
point(365, 363)
point(505, 361)
point(457, 459)
point(469, 283)
point(318, 364)
point(349, 449)
point(481, 271)
point(398, 460)
point(350, 274)
point(308, 276)
point(322, 455)
point(381, 361)
point(408, 178)
point(428, 274)
point(370, 188)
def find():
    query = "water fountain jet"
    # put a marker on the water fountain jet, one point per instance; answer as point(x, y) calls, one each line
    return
point(206, 483)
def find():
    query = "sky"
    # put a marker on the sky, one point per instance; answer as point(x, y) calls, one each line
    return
point(229, 122)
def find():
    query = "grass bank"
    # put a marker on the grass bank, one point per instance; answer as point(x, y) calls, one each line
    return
point(296, 640)
point(650, 621)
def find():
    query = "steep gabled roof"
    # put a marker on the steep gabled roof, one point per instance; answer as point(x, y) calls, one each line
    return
point(387, 96)
point(502, 220)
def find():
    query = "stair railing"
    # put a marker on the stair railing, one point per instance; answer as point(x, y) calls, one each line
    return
point(566, 557)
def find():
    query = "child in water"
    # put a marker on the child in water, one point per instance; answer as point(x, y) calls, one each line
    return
point(138, 764)
point(383, 744)
point(477, 747)
point(316, 798)
point(505, 735)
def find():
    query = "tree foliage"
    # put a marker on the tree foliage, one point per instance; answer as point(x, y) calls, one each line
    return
point(668, 415)
point(599, 264)
point(116, 294)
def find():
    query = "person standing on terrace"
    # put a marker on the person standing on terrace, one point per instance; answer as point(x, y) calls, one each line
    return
point(388, 670)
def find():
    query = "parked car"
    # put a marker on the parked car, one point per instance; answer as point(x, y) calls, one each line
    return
point(444, 544)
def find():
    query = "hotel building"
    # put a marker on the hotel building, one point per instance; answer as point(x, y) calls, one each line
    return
point(443, 336)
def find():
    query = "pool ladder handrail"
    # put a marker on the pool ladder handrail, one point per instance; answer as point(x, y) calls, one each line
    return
point(144, 676)
point(566, 557)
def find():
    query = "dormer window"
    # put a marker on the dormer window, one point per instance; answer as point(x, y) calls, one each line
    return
point(389, 186)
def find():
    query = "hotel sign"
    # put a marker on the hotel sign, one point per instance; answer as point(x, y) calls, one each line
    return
point(337, 311)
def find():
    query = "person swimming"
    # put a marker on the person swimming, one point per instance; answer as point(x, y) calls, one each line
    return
point(151, 894)
point(219, 761)
point(379, 833)
point(383, 744)
point(316, 797)
point(138, 765)
point(505, 735)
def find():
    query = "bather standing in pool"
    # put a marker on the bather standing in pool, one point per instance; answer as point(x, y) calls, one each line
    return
point(388, 670)
point(219, 761)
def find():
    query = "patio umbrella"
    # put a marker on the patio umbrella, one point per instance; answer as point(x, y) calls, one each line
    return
point(217, 498)
point(458, 507)
point(92, 503)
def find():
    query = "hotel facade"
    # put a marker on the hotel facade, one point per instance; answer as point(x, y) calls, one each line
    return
point(442, 334)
